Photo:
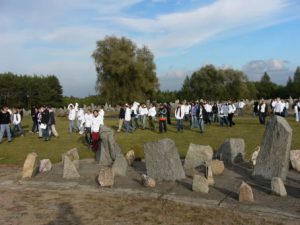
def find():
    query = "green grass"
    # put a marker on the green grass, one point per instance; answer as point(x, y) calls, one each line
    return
point(246, 127)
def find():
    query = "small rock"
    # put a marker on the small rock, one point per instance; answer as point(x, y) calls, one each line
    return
point(246, 194)
point(277, 187)
point(217, 167)
point(200, 184)
point(106, 177)
point(45, 165)
point(254, 155)
point(147, 181)
point(30, 166)
point(130, 157)
point(70, 170)
point(295, 159)
point(209, 176)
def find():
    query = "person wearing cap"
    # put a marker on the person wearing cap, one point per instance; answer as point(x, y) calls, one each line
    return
point(5, 121)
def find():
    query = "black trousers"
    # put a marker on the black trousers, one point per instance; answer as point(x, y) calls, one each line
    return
point(262, 118)
point(162, 126)
point(230, 117)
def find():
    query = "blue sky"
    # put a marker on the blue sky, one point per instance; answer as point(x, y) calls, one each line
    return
point(59, 36)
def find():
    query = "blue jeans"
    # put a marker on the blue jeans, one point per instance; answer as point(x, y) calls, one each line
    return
point(128, 127)
point(46, 133)
point(71, 126)
point(179, 125)
point(201, 125)
point(3, 128)
point(144, 120)
point(194, 122)
point(224, 120)
point(19, 127)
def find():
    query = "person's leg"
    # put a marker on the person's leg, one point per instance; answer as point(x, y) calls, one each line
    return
point(160, 126)
point(8, 133)
point(33, 126)
point(95, 136)
point(2, 130)
point(181, 125)
point(230, 119)
point(144, 121)
point(70, 126)
point(20, 129)
point(40, 131)
point(54, 131)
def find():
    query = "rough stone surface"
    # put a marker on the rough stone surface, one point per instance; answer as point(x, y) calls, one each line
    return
point(254, 155)
point(232, 151)
point(30, 166)
point(107, 151)
point(70, 171)
point(73, 156)
point(162, 160)
point(200, 184)
point(197, 155)
point(277, 187)
point(130, 157)
point(295, 159)
point(120, 165)
point(273, 158)
point(246, 194)
point(209, 176)
point(106, 177)
point(45, 165)
point(147, 181)
point(217, 167)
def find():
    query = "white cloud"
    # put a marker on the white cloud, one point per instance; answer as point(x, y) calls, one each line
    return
point(173, 79)
point(278, 70)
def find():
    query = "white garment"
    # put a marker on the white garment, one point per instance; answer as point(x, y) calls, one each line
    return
point(231, 108)
point(143, 111)
point(208, 108)
point(72, 114)
point(187, 109)
point(16, 118)
point(263, 108)
point(80, 115)
point(241, 104)
point(279, 106)
point(96, 122)
point(88, 120)
point(152, 112)
point(127, 114)
point(101, 115)
point(287, 105)
point(179, 113)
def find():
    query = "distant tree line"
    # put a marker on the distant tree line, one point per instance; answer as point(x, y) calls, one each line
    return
point(26, 91)
point(222, 84)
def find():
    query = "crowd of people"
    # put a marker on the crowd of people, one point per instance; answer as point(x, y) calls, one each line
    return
point(188, 115)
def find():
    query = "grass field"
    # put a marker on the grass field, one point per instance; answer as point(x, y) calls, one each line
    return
point(246, 127)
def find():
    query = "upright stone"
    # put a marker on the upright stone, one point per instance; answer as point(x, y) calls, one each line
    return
point(232, 151)
point(295, 159)
point(197, 155)
point(45, 165)
point(246, 194)
point(106, 177)
point(30, 166)
point(277, 187)
point(130, 157)
point(209, 176)
point(273, 158)
point(120, 164)
point(73, 156)
point(162, 160)
point(200, 184)
point(70, 171)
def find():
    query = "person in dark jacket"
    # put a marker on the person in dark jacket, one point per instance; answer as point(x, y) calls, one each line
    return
point(34, 113)
point(162, 115)
point(5, 121)
point(45, 122)
point(121, 118)
point(52, 128)
point(168, 108)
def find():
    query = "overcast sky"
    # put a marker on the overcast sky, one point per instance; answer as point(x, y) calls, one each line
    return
point(58, 37)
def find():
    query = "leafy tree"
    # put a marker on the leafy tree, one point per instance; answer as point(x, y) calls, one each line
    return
point(125, 72)
point(266, 88)
point(296, 83)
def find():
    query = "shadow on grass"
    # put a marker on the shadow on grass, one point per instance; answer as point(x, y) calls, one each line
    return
point(66, 215)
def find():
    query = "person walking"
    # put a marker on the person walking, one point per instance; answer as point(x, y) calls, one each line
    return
point(262, 110)
point(5, 121)
point(95, 127)
point(127, 119)
point(80, 119)
point(17, 119)
point(88, 117)
point(201, 117)
point(143, 114)
point(162, 114)
point(72, 117)
point(121, 118)
point(231, 110)
point(35, 126)
point(151, 116)
point(45, 122)
point(179, 115)
point(52, 128)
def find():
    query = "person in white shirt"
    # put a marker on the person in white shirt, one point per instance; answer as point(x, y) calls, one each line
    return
point(240, 108)
point(135, 114)
point(143, 114)
point(101, 116)
point(286, 108)
point(127, 119)
point(95, 127)
point(72, 116)
point(207, 113)
point(297, 110)
point(279, 107)
point(262, 110)
point(87, 126)
point(187, 112)
point(223, 114)
point(16, 118)
point(80, 120)
point(231, 110)
point(151, 116)
point(179, 115)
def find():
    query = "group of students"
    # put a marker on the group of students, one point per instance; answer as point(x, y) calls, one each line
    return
point(277, 107)
point(88, 123)
point(197, 113)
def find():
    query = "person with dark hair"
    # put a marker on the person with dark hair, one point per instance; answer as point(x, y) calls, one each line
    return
point(262, 110)
point(52, 128)
point(5, 121)
point(200, 113)
point(95, 127)
point(168, 108)
point(45, 122)
point(151, 116)
point(17, 119)
point(179, 115)
point(162, 114)
point(34, 114)
point(121, 118)
point(231, 111)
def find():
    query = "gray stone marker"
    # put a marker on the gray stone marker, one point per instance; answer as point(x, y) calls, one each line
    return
point(197, 155)
point(273, 158)
point(70, 170)
point(73, 156)
point(30, 166)
point(109, 152)
point(106, 177)
point(277, 187)
point(232, 151)
point(163, 161)
point(200, 184)
point(45, 165)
